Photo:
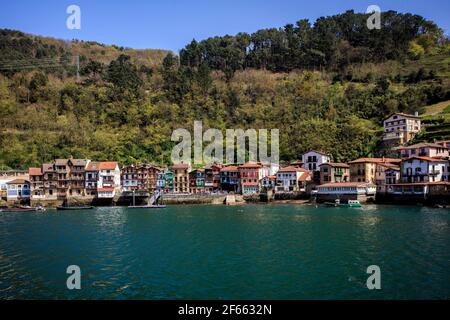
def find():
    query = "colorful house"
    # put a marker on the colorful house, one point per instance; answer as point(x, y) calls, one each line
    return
point(168, 176)
point(10, 175)
point(230, 179)
point(139, 177)
point(197, 181)
point(212, 177)
point(250, 174)
point(18, 189)
point(161, 181)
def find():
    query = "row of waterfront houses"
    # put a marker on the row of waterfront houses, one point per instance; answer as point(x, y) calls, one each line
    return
point(418, 166)
point(418, 170)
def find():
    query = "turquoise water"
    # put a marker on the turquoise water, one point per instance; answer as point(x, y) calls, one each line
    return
point(219, 252)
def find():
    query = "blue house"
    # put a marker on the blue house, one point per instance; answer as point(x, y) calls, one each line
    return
point(18, 189)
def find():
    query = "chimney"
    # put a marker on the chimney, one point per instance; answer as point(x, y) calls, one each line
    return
point(416, 113)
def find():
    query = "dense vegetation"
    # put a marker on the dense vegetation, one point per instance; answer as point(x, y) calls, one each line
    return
point(326, 86)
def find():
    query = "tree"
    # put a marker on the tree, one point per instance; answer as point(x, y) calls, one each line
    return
point(123, 75)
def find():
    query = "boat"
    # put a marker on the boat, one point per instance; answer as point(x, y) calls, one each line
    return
point(74, 207)
point(349, 204)
point(23, 209)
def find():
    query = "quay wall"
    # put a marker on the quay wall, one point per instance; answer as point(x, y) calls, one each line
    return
point(345, 197)
point(194, 198)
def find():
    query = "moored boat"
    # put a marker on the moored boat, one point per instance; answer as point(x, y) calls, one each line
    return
point(23, 209)
point(350, 203)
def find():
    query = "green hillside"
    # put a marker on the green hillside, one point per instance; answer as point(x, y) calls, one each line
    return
point(325, 86)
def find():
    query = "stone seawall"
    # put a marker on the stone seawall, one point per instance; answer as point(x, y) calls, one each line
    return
point(194, 198)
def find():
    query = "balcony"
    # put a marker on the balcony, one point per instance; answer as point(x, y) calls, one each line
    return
point(392, 135)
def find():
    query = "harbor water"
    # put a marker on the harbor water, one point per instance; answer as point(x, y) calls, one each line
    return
point(269, 251)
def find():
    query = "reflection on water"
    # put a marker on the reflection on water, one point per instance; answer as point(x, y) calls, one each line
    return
point(227, 252)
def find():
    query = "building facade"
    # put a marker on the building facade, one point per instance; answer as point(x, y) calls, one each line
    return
point(18, 190)
point(197, 181)
point(250, 174)
point(424, 150)
point(230, 179)
point(424, 169)
point(291, 179)
point(36, 179)
point(313, 159)
point(181, 177)
point(334, 172)
point(364, 169)
point(401, 127)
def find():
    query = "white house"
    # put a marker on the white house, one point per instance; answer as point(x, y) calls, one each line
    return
point(313, 159)
point(108, 182)
point(268, 182)
point(401, 126)
point(424, 150)
point(291, 179)
point(424, 169)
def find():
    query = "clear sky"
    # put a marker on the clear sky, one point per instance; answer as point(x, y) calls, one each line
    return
point(171, 24)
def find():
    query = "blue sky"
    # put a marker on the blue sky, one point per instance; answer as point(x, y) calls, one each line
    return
point(171, 24)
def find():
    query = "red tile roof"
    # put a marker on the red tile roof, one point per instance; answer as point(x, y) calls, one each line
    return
point(93, 166)
point(250, 165)
point(34, 171)
point(108, 165)
point(292, 169)
point(18, 181)
point(376, 160)
point(180, 166)
point(304, 176)
point(424, 158)
point(229, 168)
point(336, 164)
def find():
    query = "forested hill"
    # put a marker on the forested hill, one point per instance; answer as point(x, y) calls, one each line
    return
point(326, 85)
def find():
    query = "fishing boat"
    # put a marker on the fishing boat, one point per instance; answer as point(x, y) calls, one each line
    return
point(74, 207)
point(349, 204)
point(23, 209)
